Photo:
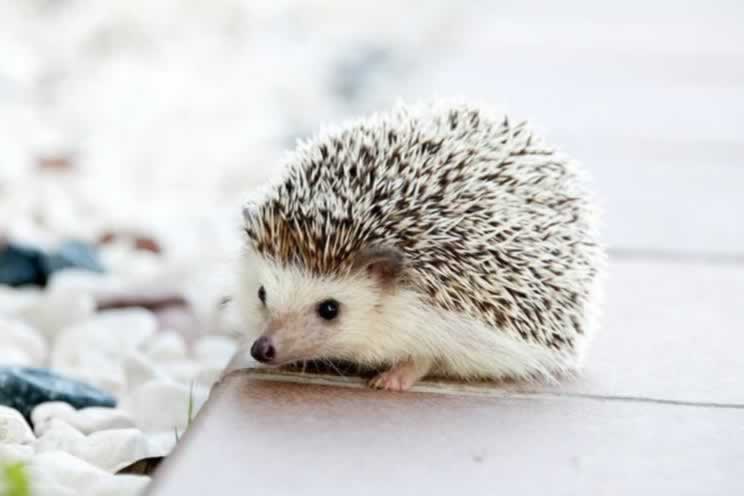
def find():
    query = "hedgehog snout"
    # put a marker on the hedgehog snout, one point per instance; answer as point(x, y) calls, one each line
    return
point(263, 350)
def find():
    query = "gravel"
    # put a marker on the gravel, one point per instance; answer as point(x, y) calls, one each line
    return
point(139, 127)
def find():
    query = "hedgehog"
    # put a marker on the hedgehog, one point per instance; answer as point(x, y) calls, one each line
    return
point(435, 239)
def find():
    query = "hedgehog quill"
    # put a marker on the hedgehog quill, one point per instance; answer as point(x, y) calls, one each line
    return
point(434, 239)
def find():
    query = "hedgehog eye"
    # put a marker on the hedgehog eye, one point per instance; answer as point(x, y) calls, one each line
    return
point(262, 295)
point(328, 309)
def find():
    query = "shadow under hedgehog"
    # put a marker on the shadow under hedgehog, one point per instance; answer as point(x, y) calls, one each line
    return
point(433, 239)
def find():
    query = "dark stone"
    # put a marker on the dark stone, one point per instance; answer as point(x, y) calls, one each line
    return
point(141, 242)
point(22, 265)
point(72, 255)
point(153, 301)
point(25, 388)
point(55, 162)
point(146, 466)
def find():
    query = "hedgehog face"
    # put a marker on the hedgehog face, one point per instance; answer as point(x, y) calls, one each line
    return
point(291, 315)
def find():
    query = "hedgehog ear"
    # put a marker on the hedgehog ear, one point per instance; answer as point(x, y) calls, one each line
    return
point(381, 263)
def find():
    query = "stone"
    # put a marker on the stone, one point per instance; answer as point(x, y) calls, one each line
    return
point(109, 450)
point(59, 162)
point(95, 349)
point(65, 473)
point(162, 442)
point(138, 241)
point(43, 414)
point(60, 436)
point(95, 419)
point(22, 265)
point(13, 427)
point(15, 300)
point(20, 336)
point(139, 369)
point(115, 449)
point(81, 281)
point(214, 350)
point(150, 299)
point(86, 420)
point(114, 332)
point(147, 244)
point(72, 255)
point(15, 357)
point(46, 488)
point(145, 466)
point(120, 485)
point(208, 375)
point(180, 318)
point(58, 310)
point(15, 453)
point(181, 371)
point(160, 406)
point(100, 371)
point(165, 345)
point(225, 319)
point(25, 388)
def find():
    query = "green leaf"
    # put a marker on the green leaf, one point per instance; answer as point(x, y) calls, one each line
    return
point(16, 480)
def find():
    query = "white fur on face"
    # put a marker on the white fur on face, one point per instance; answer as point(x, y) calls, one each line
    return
point(378, 327)
point(290, 312)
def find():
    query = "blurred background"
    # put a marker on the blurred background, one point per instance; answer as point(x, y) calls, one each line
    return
point(139, 127)
point(162, 115)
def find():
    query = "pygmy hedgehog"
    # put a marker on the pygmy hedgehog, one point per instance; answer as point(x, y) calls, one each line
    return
point(433, 239)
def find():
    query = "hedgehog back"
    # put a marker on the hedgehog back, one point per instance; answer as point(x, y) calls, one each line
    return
point(492, 222)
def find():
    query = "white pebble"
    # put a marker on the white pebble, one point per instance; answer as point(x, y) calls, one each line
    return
point(225, 319)
point(115, 331)
point(99, 370)
point(60, 436)
point(95, 419)
point(109, 450)
point(18, 335)
point(208, 375)
point(161, 443)
point(82, 281)
point(120, 485)
point(139, 369)
point(131, 266)
point(54, 312)
point(15, 453)
point(181, 371)
point(13, 427)
point(162, 406)
point(15, 357)
point(15, 300)
point(214, 350)
point(115, 449)
point(86, 420)
point(94, 350)
point(43, 414)
point(165, 345)
point(48, 488)
point(64, 472)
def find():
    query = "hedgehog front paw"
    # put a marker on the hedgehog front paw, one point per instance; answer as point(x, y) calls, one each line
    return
point(401, 377)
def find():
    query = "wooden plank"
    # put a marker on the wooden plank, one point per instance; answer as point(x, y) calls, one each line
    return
point(266, 437)
point(671, 331)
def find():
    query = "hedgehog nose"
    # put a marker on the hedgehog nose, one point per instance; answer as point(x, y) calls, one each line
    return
point(263, 350)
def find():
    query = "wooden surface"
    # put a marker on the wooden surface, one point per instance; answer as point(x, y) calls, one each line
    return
point(269, 437)
point(650, 96)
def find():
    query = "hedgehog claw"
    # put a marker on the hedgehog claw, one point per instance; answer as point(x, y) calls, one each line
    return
point(401, 377)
